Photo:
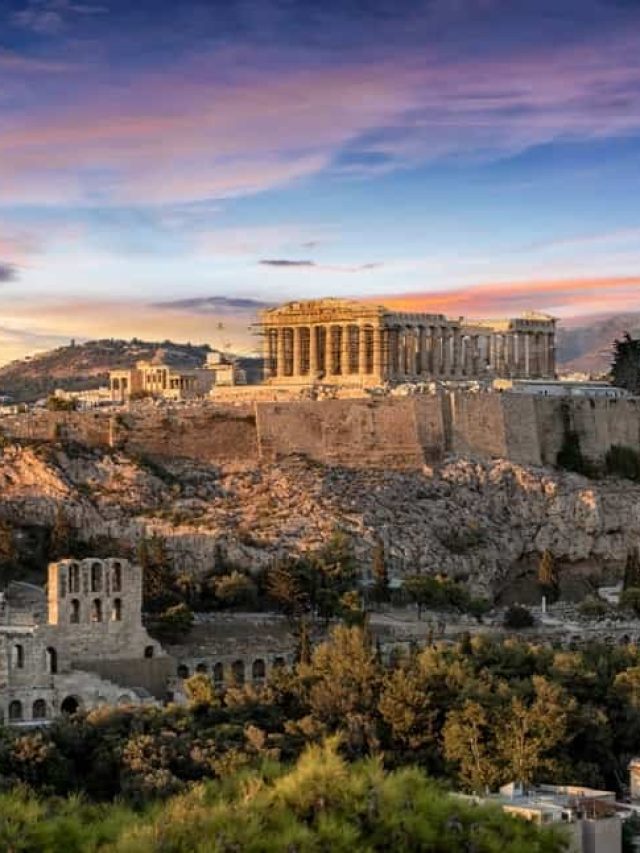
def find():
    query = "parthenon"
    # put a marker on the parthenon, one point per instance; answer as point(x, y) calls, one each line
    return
point(344, 342)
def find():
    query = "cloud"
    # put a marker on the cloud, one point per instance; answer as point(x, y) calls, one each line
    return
point(338, 268)
point(235, 122)
point(8, 272)
point(49, 17)
point(283, 262)
point(560, 296)
point(215, 304)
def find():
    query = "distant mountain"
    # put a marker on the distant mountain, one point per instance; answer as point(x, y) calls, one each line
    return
point(84, 366)
point(585, 344)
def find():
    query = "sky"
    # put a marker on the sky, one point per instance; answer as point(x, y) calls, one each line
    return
point(167, 168)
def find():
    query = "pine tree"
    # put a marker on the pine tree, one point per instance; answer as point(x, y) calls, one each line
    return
point(625, 369)
point(548, 577)
point(632, 570)
point(380, 573)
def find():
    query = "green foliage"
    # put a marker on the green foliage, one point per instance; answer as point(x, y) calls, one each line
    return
point(518, 616)
point(632, 569)
point(630, 600)
point(60, 404)
point(200, 691)
point(236, 590)
point(380, 573)
point(625, 369)
point(158, 580)
point(320, 804)
point(173, 624)
point(440, 593)
point(593, 607)
point(623, 461)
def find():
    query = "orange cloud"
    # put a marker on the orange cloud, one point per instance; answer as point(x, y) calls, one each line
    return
point(561, 296)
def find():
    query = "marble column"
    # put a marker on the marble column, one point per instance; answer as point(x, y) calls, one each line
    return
point(422, 351)
point(527, 355)
point(378, 353)
point(345, 351)
point(280, 353)
point(296, 368)
point(313, 352)
point(362, 351)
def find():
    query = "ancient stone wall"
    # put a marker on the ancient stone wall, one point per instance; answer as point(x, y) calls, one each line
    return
point(396, 432)
point(379, 433)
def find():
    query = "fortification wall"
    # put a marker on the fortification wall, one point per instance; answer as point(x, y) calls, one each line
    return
point(380, 433)
point(402, 432)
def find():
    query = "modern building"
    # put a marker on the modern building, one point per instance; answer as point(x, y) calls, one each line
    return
point(561, 388)
point(79, 645)
point(592, 818)
point(348, 343)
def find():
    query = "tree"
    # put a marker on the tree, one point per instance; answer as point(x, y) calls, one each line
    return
point(380, 573)
point(526, 733)
point(408, 711)
point(630, 600)
point(548, 577)
point(517, 616)
point(625, 369)
point(200, 691)
point(236, 590)
point(284, 588)
point(468, 741)
point(158, 580)
point(632, 569)
point(173, 624)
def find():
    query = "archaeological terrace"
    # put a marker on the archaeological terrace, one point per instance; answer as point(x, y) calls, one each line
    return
point(344, 342)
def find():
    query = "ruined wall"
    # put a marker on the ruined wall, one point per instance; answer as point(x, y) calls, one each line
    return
point(150, 674)
point(379, 433)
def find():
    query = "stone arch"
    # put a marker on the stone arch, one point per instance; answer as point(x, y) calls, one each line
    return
point(70, 705)
point(96, 577)
point(39, 710)
point(201, 667)
point(278, 662)
point(258, 670)
point(148, 651)
point(96, 610)
point(125, 699)
point(237, 671)
point(51, 660)
point(74, 611)
point(183, 671)
point(17, 657)
point(116, 577)
point(74, 577)
point(218, 674)
point(116, 610)
point(15, 711)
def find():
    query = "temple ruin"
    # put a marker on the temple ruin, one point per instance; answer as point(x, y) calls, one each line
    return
point(343, 342)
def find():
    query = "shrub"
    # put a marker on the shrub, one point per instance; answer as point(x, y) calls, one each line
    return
point(592, 607)
point(623, 461)
point(630, 600)
point(517, 616)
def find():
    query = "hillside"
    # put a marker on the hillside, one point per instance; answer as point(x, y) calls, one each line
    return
point(585, 343)
point(83, 366)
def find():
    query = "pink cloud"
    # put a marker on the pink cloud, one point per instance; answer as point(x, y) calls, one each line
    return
point(207, 129)
point(562, 296)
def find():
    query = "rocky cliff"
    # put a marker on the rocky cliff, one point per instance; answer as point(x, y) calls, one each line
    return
point(486, 522)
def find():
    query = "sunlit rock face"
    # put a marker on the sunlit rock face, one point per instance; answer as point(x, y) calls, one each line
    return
point(482, 521)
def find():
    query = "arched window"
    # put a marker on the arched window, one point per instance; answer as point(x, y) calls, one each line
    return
point(237, 671)
point(70, 705)
point(258, 670)
point(74, 578)
point(18, 656)
point(74, 614)
point(116, 578)
point(51, 659)
point(201, 667)
point(96, 577)
point(183, 671)
point(15, 711)
point(116, 611)
point(218, 674)
point(39, 710)
point(125, 699)
point(278, 663)
point(148, 652)
point(96, 610)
